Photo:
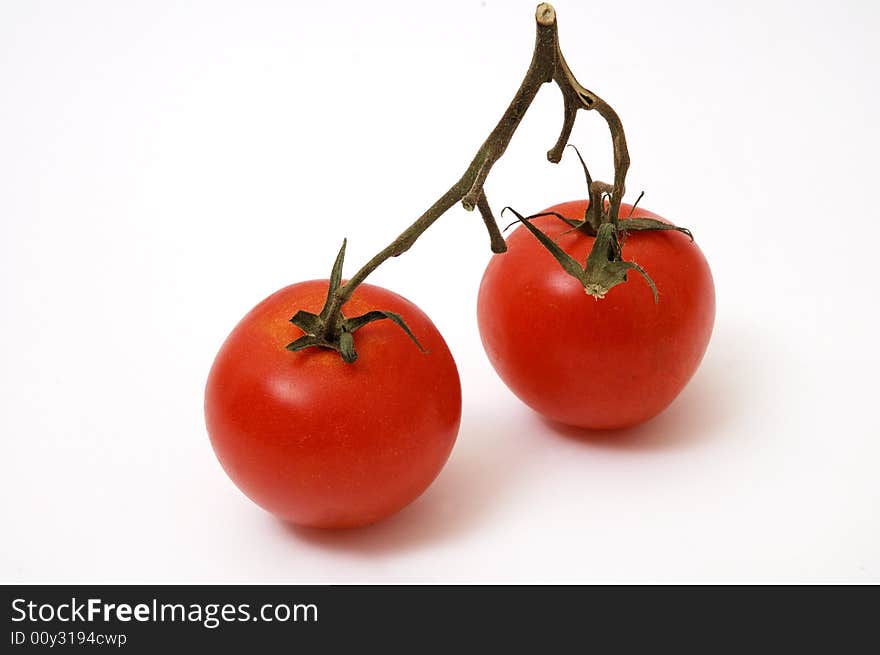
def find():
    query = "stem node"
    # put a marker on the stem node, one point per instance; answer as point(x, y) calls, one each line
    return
point(547, 65)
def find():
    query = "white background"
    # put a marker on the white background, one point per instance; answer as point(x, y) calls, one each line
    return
point(164, 166)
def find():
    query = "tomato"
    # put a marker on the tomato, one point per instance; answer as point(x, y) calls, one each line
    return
point(321, 442)
point(588, 362)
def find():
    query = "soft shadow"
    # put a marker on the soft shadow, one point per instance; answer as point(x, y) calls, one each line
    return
point(720, 389)
point(481, 472)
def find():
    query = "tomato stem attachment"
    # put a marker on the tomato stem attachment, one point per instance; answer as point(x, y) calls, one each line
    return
point(335, 330)
point(547, 65)
point(605, 267)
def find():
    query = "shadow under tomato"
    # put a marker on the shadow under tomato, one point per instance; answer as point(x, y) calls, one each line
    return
point(495, 460)
point(484, 469)
point(720, 389)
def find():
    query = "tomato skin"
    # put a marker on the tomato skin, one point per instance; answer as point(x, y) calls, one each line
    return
point(322, 443)
point(596, 363)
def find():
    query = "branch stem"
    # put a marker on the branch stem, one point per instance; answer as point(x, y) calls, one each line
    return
point(547, 65)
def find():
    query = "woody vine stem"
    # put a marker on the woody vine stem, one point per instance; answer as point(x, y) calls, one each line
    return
point(331, 329)
point(547, 65)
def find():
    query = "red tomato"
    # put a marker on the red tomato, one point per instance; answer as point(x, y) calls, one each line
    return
point(596, 363)
point(323, 443)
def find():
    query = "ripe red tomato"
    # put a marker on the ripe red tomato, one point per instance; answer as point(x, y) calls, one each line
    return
point(596, 363)
point(323, 443)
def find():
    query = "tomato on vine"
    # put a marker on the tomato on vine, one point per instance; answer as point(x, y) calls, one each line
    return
point(335, 404)
point(593, 351)
point(325, 439)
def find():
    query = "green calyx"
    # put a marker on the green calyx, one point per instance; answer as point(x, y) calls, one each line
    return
point(331, 328)
point(605, 267)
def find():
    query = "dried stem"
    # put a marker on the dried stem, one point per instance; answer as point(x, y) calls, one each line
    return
point(578, 97)
point(547, 65)
point(496, 239)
